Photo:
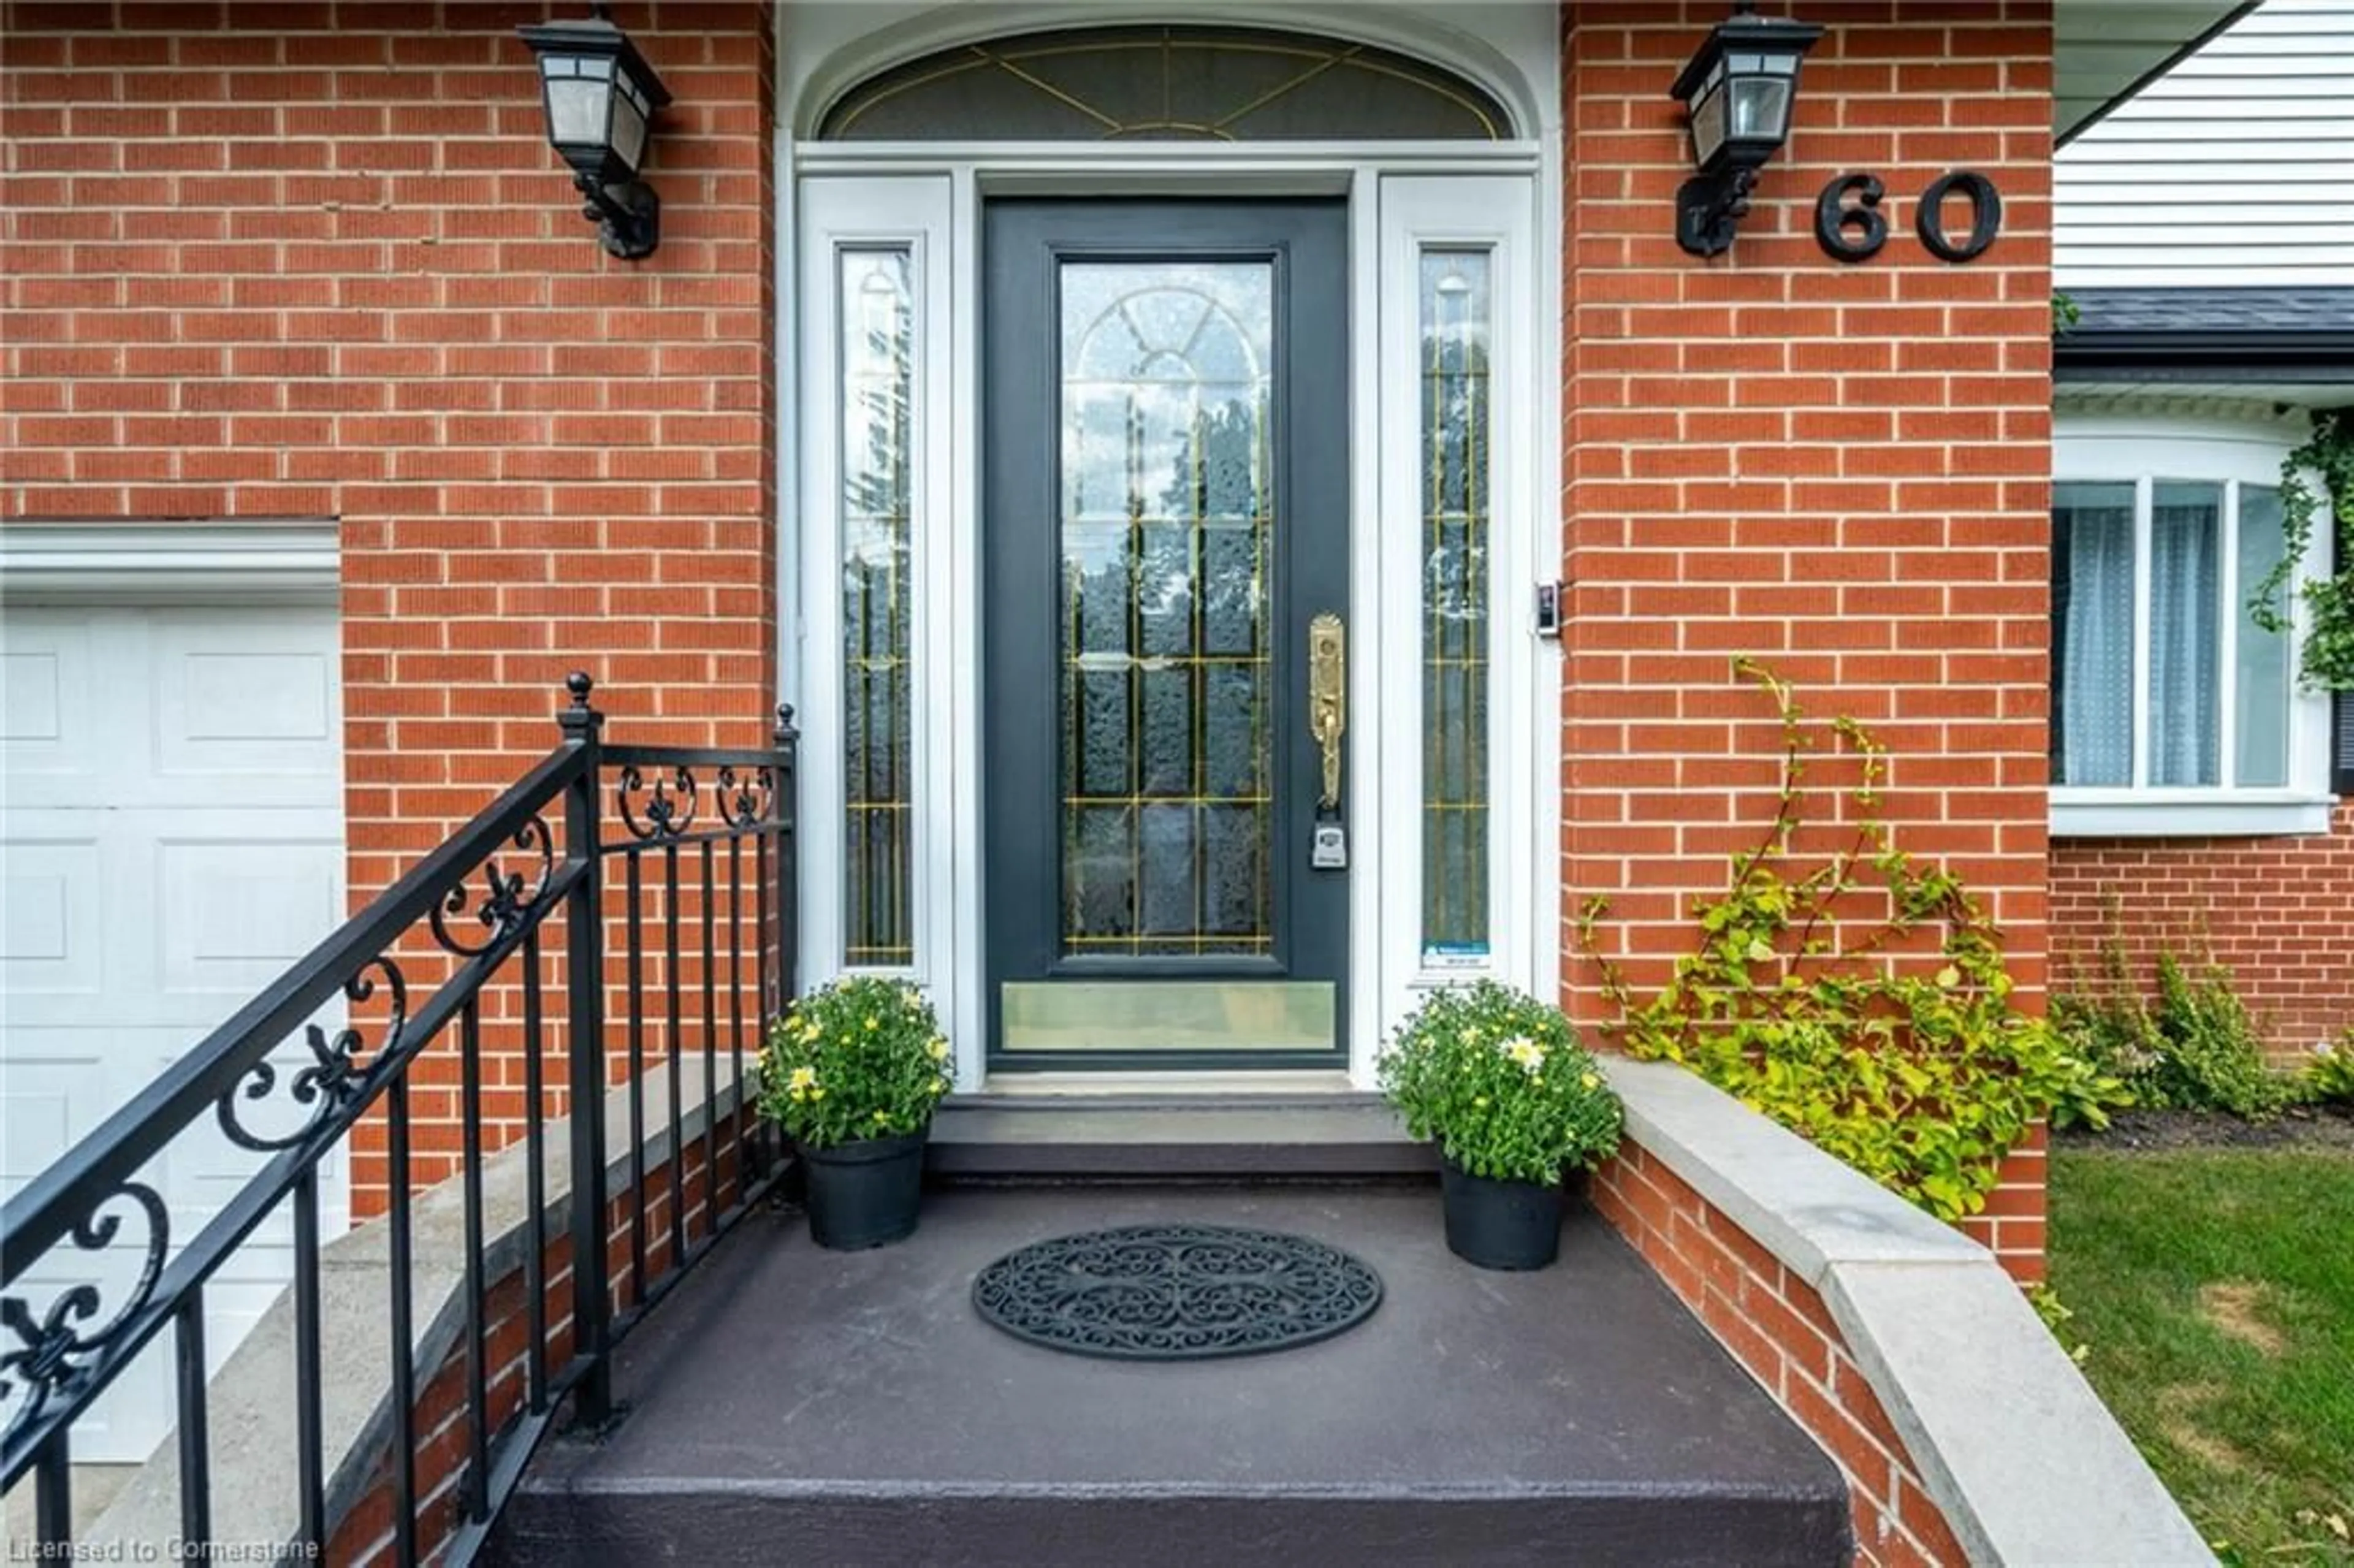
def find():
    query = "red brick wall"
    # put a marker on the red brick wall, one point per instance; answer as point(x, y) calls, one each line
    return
point(2279, 913)
point(1840, 469)
point(2013, 1225)
point(1774, 1324)
point(317, 260)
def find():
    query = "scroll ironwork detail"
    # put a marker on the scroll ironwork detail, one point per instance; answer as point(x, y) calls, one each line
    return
point(336, 1079)
point(56, 1356)
point(505, 902)
point(668, 807)
point(746, 799)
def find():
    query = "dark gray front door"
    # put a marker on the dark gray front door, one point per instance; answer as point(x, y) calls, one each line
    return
point(1165, 504)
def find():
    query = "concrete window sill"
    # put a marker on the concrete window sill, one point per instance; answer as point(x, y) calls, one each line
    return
point(2183, 814)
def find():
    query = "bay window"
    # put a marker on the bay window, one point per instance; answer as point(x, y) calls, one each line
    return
point(2173, 711)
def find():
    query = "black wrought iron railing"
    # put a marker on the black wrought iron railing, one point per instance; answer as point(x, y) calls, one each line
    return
point(499, 948)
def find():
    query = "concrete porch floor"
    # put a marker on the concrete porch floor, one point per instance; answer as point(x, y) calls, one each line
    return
point(792, 1405)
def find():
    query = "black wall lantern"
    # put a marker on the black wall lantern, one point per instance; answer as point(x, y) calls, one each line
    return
point(1738, 89)
point(599, 95)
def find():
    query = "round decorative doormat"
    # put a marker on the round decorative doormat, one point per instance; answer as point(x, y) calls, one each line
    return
point(1166, 1293)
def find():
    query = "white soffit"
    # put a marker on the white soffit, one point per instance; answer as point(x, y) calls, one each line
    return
point(2104, 48)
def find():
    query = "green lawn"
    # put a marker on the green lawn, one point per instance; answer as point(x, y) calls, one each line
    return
point(2216, 1290)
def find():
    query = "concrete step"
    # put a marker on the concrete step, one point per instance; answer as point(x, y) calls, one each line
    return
point(1164, 1138)
point(788, 1405)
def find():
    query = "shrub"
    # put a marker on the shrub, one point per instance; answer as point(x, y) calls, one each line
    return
point(2111, 1033)
point(2328, 1077)
point(2198, 1048)
point(2209, 1055)
point(860, 1058)
point(1921, 1078)
point(1499, 1081)
point(2089, 1091)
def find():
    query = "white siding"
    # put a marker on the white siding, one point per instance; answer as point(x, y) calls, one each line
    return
point(2234, 168)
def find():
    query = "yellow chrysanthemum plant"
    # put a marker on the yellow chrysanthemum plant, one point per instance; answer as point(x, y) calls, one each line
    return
point(860, 1058)
point(1499, 1081)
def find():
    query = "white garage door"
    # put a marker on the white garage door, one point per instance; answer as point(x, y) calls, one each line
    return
point(171, 838)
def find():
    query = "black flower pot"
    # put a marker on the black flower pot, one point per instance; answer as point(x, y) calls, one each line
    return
point(866, 1193)
point(1500, 1225)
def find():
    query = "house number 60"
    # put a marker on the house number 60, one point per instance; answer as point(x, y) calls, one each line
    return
point(1833, 218)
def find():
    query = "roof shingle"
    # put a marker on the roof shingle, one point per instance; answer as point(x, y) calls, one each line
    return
point(2286, 310)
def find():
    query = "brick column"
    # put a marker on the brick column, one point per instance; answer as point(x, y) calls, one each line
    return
point(1843, 469)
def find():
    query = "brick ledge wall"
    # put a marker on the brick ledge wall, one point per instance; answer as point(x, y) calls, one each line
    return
point(1776, 1327)
point(1965, 1433)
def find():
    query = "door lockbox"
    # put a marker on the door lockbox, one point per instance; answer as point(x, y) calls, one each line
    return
point(1328, 849)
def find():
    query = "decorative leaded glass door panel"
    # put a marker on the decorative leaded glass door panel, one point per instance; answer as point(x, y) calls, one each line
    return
point(1165, 513)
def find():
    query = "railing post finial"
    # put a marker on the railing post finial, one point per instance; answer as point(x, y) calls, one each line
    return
point(786, 734)
point(579, 721)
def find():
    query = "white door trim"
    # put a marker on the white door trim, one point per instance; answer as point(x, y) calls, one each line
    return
point(934, 211)
point(1526, 715)
point(910, 214)
point(1494, 216)
point(1166, 168)
point(1509, 47)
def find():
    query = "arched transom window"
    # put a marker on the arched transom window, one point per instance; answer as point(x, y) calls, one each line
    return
point(1166, 84)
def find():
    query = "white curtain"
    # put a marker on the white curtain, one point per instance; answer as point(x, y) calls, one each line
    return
point(2093, 531)
point(2185, 634)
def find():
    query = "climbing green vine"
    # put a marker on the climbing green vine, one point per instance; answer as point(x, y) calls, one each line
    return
point(1856, 995)
point(2326, 660)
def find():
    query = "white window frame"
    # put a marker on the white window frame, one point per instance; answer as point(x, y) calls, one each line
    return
point(1494, 216)
point(2147, 448)
point(910, 212)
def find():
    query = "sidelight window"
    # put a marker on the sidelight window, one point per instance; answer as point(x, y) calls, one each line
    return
point(1456, 443)
point(877, 380)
